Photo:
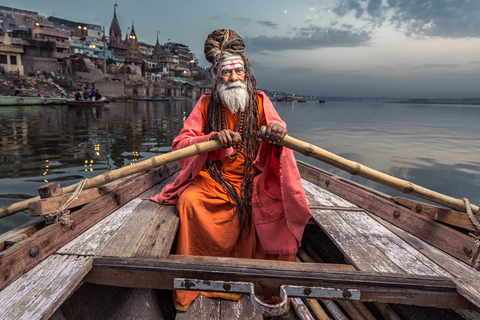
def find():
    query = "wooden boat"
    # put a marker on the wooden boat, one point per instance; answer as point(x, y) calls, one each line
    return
point(29, 101)
point(86, 103)
point(157, 99)
point(301, 100)
point(374, 255)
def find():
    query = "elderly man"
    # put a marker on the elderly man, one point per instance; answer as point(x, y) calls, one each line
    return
point(245, 200)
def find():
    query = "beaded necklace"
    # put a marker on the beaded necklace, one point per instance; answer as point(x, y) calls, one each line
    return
point(238, 128)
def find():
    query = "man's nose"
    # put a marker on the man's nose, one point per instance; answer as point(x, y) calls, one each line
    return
point(234, 76)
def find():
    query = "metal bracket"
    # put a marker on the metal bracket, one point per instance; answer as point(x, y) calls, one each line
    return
point(265, 308)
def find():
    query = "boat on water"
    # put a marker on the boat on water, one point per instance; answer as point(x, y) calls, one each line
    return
point(87, 103)
point(363, 253)
point(29, 101)
point(301, 100)
point(157, 99)
point(321, 101)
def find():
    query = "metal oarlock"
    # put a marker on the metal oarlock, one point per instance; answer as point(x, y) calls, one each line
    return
point(265, 308)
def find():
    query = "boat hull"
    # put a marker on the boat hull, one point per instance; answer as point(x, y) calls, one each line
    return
point(29, 101)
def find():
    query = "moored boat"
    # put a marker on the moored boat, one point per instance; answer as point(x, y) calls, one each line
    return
point(29, 101)
point(364, 250)
point(86, 103)
point(157, 99)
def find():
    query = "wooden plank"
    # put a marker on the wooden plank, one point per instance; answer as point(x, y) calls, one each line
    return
point(92, 241)
point(48, 205)
point(351, 228)
point(28, 228)
point(202, 308)
point(127, 239)
point(358, 250)
point(159, 238)
point(390, 288)
point(394, 248)
point(20, 258)
point(241, 309)
point(451, 217)
point(466, 277)
point(451, 241)
point(39, 292)
point(141, 228)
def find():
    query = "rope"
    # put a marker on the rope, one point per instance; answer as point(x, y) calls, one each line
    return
point(476, 240)
point(62, 215)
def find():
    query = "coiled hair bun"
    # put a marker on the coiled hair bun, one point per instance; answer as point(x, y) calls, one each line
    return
point(222, 41)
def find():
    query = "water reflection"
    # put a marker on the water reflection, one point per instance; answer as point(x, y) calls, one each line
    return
point(432, 146)
point(43, 144)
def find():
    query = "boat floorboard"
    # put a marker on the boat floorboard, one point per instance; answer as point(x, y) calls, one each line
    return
point(145, 229)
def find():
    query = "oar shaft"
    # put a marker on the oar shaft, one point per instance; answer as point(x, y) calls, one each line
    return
point(113, 175)
point(360, 170)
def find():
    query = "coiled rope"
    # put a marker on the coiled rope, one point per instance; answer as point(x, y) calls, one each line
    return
point(476, 239)
point(62, 214)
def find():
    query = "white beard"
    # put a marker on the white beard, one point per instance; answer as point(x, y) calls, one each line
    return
point(234, 95)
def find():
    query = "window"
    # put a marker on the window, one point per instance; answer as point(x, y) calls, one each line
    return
point(13, 60)
point(3, 59)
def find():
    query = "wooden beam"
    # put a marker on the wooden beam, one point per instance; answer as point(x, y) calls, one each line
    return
point(451, 217)
point(447, 239)
point(268, 276)
point(26, 254)
point(54, 201)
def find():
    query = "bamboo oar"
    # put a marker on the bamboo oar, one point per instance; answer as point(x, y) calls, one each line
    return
point(110, 176)
point(355, 168)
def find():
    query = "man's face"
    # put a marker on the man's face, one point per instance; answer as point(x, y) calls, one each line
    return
point(232, 75)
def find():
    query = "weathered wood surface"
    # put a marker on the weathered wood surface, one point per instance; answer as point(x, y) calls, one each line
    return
point(451, 217)
point(102, 237)
point(451, 241)
point(375, 245)
point(390, 288)
point(39, 293)
point(204, 308)
point(58, 198)
point(466, 277)
point(26, 254)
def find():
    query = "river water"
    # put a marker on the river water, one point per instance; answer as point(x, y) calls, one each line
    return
point(434, 146)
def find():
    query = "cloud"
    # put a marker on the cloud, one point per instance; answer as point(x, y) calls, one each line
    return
point(308, 19)
point(268, 24)
point(310, 38)
point(440, 18)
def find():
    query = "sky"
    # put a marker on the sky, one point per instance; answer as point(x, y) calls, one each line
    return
point(354, 48)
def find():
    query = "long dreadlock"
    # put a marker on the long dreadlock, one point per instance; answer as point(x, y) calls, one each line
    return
point(219, 43)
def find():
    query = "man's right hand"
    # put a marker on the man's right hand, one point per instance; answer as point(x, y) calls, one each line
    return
point(226, 137)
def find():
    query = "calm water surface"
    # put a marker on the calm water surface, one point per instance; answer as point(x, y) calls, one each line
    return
point(435, 146)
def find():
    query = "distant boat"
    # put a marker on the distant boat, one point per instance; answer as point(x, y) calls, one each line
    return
point(86, 103)
point(285, 99)
point(157, 99)
point(321, 101)
point(301, 100)
point(29, 101)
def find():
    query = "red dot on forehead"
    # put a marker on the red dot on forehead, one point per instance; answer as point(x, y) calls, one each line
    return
point(232, 63)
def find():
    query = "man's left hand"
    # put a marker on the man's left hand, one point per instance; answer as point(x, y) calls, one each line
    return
point(275, 132)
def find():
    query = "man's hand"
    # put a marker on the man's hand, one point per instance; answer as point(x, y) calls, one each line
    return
point(226, 137)
point(275, 132)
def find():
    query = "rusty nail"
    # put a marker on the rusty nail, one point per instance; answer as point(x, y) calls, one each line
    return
point(418, 208)
point(327, 183)
point(396, 214)
point(34, 251)
point(117, 199)
point(346, 294)
point(227, 287)
point(467, 250)
point(72, 226)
